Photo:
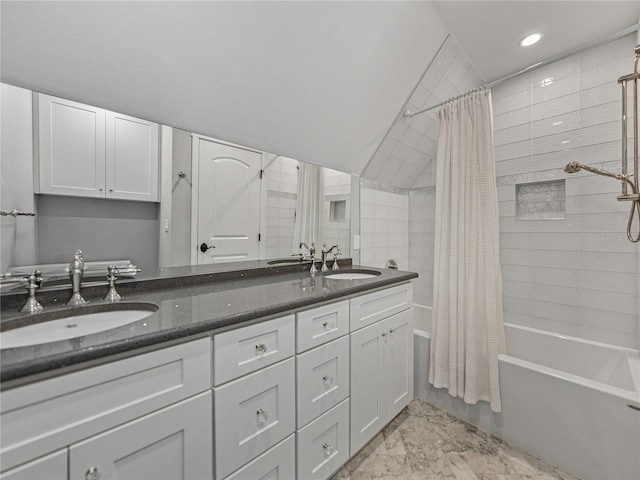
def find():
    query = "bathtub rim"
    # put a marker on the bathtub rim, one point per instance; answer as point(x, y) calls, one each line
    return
point(632, 396)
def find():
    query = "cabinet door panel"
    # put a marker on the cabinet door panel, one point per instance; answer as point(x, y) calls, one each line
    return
point(279, 463)
point(54, 413)
point(252, 414)
point(71, 148)
point(398, 361)
point(323, 445)
point(131, 158)
point(322, 379)
point(368, 397)
point(50, 467)
point(173, 444)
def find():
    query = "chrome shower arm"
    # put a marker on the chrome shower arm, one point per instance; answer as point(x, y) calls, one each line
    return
point(573, 167)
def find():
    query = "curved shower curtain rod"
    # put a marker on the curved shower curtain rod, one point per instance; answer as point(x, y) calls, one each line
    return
point(615, 36)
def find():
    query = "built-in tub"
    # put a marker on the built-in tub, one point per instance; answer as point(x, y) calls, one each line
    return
point(564, 399)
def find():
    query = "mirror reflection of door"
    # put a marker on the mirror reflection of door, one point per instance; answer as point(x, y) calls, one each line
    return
point(226, 203)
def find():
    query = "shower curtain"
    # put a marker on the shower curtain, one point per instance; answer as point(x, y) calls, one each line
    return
point(309, 207)
point(467, 330)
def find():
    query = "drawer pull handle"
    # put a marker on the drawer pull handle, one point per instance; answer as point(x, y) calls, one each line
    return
point(327, 379)
point(328, 449)
point(261, 348)
point(263, 416)
point(384, 334)
point(92, 474)
point(391, 330)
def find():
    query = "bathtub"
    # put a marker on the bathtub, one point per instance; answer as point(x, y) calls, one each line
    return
point(564, 399)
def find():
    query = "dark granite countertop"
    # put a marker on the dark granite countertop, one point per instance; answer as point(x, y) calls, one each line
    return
point(191, 301)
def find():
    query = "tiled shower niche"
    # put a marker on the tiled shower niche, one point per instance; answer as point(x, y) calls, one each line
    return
point(540, 200)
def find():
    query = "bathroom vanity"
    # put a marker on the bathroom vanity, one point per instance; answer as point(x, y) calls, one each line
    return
point(258, 373)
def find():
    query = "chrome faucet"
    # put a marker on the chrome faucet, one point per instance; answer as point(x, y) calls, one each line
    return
point(312, 254)
point(325, 252)
point(34, 281)
point(112, 275)
point(76, 270)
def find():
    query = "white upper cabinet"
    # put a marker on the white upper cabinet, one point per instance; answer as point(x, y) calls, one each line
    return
point(131, 158)
point(90, 152)
point(71, 148)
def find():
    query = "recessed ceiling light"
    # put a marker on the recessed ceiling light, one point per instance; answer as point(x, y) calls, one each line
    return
point(530, 39)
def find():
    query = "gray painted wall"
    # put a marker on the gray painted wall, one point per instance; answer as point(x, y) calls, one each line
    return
point(181, 199)
point(102, 229)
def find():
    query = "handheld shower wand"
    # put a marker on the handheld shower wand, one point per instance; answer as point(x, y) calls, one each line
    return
point(626, 179)
point(574, 167)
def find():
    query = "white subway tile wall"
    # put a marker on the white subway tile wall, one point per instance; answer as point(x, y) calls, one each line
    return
point(577, 276)
point(405, 158)
point(282, 194)
point(384, 225)
point(337, 230)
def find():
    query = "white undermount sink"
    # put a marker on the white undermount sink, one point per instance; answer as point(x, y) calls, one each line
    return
point(59, 325)
point(352, 275)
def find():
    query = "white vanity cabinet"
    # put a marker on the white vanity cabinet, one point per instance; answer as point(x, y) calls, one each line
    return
point(86, 151)
point(174, 443)
point(322, 371)
point(381, 362)
point(127, 411)
point(254, 399)
point(292, 397)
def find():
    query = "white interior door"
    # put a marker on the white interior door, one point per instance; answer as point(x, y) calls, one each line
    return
point(226, 202)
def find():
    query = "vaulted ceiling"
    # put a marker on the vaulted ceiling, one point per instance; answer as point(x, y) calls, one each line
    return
point(324, 82)
point(316, 81)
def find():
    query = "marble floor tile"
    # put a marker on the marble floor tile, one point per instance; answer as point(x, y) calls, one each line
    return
point(426, 443)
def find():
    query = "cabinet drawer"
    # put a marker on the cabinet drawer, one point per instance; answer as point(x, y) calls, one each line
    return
point(375, 306)
point(279, 463)
point(323, 445)
point(322, 324)
point(172, 443)
point(54, 413)
point(252, 414)
point(323, 379)
point(247, 349)
point(51, 467)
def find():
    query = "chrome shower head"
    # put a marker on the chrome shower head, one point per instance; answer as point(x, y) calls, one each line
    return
point(572, 167)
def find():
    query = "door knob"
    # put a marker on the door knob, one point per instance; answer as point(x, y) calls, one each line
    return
point(204, 247)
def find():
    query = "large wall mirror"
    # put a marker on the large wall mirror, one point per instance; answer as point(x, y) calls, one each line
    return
point(153, 234)
point(294, 203)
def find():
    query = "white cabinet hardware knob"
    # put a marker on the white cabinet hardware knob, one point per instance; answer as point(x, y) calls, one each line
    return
point(92, 474)
point(391, 330)
point(261, 348)
point(384, 334)
point(327, 379)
